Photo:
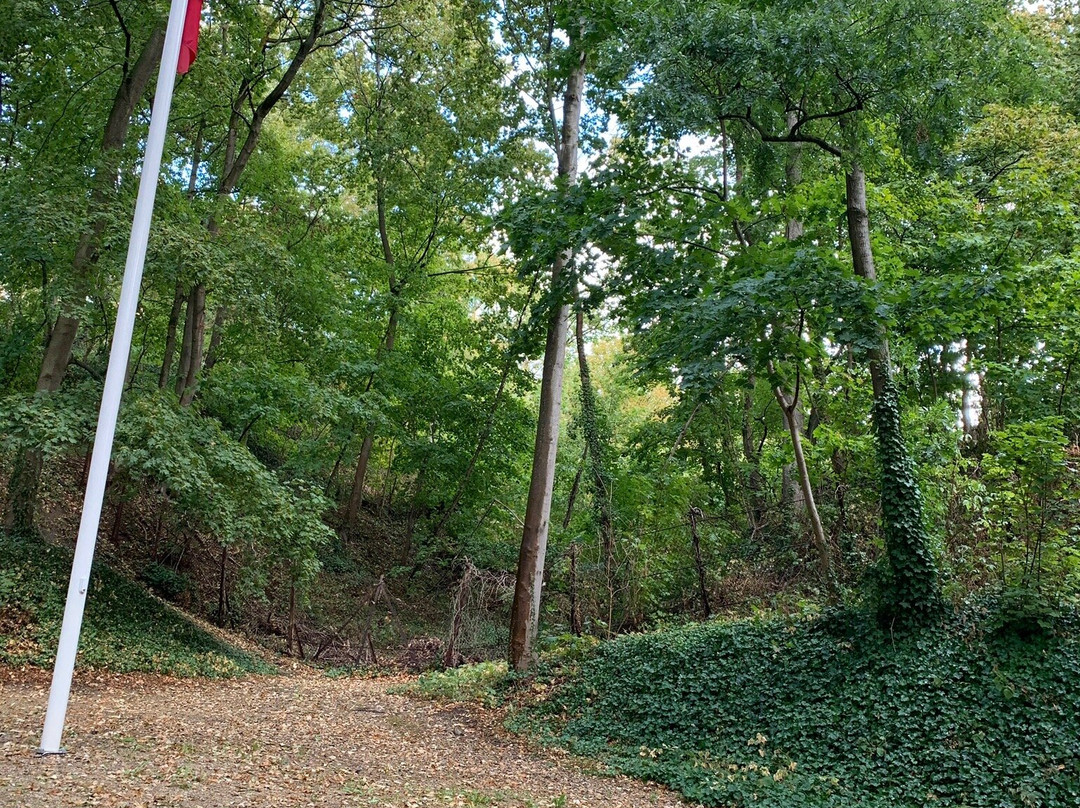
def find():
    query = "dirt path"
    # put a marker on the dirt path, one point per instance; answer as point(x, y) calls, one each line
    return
point(270, 742)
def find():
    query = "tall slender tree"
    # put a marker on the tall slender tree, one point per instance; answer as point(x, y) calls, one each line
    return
point(528, 588)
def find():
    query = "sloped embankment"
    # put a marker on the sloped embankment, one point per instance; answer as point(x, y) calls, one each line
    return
point(125, 629)
point(833, 712)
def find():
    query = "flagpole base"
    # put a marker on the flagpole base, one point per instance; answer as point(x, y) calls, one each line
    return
point(42, 753)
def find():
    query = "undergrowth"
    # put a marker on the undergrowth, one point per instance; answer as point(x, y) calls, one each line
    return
point(832, 712)
point(124, 630)
point(484, 682)
point(980, 710)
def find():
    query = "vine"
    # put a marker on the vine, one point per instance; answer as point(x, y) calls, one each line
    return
point(912, 591)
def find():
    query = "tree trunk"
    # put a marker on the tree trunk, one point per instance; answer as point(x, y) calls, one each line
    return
point(575, 602)
point(236, 160)
point(26, 477)
point(290, 632)
point(803, 500)
point(62, 337)
point(862, 260)
point(699, 564)
point(170, 337)
point(755, 481)
point(178, 296)
point(915, 589)
point(525, 615)
point(457, 620)
point(595, 448)
point(793, 174)
point(414, 513)
point(572, 499)
point(216, 334)
point(118, 523)
point(356, 496)
point(389, 482)
point(185, 347)
point(789, 405)
point(197, 318)
point(222, 598)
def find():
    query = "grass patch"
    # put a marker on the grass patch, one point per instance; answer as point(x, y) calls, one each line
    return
point(830, 712)
point(484, 682)
point(124, 630)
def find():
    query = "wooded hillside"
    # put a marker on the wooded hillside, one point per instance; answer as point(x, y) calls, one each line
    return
point(810, 269)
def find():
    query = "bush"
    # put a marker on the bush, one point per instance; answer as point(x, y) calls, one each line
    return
point(166, 581)
point(484, 682)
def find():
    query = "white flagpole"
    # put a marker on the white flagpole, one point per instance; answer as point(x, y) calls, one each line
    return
point(114, 386)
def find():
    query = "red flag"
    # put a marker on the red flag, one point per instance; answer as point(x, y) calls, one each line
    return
point(189, 42)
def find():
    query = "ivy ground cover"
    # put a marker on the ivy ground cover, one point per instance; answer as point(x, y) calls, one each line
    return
point(833, 712)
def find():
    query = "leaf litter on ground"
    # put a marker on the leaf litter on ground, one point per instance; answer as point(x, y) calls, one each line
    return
point(301, 739)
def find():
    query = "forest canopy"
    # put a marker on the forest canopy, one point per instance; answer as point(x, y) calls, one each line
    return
point(811, 266)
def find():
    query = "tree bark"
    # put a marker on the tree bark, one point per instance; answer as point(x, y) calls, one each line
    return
point(356, 496)
point(572, 499)
point(699, 564)
point(216, 334)
point(170, 337)
point(575, 602)
point(525, 615)
point(755, 481)
point(862, 261)
point(789, 405)
point(290, 631)
point(178, 296)
point(197, 317)
point(185, 347)
point(222, 597)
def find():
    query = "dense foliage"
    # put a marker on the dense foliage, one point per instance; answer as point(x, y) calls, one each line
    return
point(832, 711)
point(821, 259)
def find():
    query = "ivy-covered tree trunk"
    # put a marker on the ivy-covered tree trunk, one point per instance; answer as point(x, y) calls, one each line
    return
point(525, 615)
point(914, 591)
